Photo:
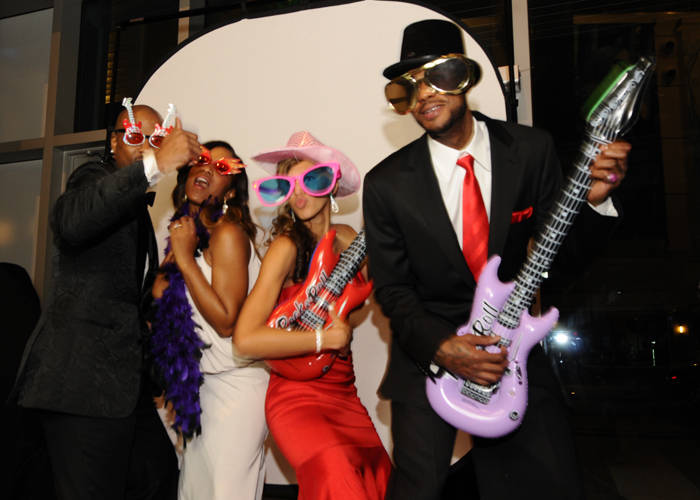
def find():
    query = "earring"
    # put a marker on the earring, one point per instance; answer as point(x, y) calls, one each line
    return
point(291, 212)
point(334, 205)
point(184, 197)
point(224, 209)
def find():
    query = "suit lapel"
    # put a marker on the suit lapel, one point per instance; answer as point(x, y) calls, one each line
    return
point(504, 184)
point(152, 252)
point(429, 208)
point(147, 253)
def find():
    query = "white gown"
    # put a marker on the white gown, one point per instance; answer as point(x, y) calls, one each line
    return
point(226, 461)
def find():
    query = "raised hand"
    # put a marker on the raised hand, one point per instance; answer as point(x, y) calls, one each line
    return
point(608, 170)
point(183, 240)
point(462, 356)
point(177, 149)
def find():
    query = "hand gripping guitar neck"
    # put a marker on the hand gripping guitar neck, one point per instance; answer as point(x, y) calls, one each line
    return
point(502, 308)
point(331, 278)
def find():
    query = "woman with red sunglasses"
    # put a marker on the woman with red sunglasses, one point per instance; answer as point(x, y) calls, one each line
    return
point(319, 425)
point(216, 399)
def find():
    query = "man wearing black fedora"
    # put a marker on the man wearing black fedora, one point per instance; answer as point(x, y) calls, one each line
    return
point(469, 188)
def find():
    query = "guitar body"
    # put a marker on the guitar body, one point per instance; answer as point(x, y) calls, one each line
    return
point(285, 315)
point(506, 406)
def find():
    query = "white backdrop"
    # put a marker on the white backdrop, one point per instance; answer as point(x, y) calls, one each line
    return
point(256, 81)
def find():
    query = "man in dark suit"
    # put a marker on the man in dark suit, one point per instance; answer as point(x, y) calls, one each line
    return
point(83, 365)
point(425, 265)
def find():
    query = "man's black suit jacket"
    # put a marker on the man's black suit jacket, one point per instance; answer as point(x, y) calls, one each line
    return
point(421, 279)
point(85, 355)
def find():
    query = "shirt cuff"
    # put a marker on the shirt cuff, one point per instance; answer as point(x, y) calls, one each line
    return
point(150, 168)
point(607, 208)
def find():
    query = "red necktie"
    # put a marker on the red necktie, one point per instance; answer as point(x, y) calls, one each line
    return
point(475, 224)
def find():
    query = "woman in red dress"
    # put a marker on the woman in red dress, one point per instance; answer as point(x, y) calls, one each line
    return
point(320, 425)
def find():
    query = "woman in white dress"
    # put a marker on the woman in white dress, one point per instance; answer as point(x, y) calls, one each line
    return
point(217, 397)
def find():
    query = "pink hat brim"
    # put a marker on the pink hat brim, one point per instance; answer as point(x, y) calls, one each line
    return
point(349, 182)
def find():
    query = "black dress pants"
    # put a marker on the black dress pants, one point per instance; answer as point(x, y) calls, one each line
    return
point(536, 461)
point(111, 458)
point(423, 444)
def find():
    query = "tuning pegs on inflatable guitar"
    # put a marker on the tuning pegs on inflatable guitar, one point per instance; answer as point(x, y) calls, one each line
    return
point(332, 278)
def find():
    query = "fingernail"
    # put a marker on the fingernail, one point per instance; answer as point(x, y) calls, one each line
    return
point(612, 178)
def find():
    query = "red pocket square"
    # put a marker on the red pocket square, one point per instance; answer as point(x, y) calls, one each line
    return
point(521, 215)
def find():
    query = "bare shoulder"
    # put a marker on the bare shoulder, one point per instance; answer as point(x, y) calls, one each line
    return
point(277, 264)
point(228, 231)
point(228, 236)
point(344, 234)
point(279, 259)
point(283, 244)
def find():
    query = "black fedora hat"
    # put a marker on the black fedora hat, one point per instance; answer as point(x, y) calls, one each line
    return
point(426, 40)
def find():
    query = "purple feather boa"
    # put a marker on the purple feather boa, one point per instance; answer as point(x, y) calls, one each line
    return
point(175, 344)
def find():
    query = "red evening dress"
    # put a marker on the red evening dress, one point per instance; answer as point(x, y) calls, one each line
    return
point(325, 433)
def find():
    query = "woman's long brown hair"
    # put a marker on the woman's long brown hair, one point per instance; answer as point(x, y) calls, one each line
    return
point(286, 225)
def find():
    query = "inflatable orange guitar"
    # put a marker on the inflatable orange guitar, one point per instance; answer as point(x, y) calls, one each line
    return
point(332, 278)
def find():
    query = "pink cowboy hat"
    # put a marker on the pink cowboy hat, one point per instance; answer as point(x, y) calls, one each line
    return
point(304, 146)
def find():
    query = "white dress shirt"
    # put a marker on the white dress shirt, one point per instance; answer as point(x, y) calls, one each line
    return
point(150, 168)
point(450, 176)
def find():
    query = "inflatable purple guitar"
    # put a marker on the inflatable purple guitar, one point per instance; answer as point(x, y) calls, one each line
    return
point(502, 308)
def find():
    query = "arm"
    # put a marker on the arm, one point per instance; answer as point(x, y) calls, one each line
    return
point(96, 200)
point(229, 248)
point(253, 338)
point(422, 335)
point(417, 331)
point(598, 219)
